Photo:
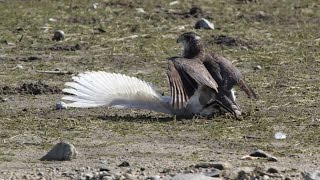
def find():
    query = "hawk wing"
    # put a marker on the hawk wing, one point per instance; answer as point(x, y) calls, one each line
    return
point(185, 75)
point(226, 74)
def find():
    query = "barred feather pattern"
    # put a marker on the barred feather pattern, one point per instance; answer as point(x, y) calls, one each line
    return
point(98, 88)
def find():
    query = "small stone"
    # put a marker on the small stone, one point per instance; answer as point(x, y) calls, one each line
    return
point(165, 170)
point(272, 170)
point(180, 28)
point(129, 176)
point(261, 154)
point(58, 35)
point(140, 10)
point(88, 175)
point(247, 157)
point(95, 5)
point(258, 67)
point(216, 165)
point(203, 24)
point(40, 174)
point(173, 3)
point(241, 173)
point(213, 173)
point(280, 135)
point(52, 20)
point(153, 178)
point(191, 177)
point(311, 175)
point(62, 151)
point(265, 177)
point(124, 164)
point(19, 66)
point(196, 11)
point(108, 178)
point(104, 169)
point(61, 105)
point(2, 99)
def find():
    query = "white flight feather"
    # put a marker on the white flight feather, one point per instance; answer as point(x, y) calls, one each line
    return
point(97, 88)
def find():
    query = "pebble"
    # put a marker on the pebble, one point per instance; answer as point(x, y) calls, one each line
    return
point(104, 169)
point(241, 173)
point(124, 164)
point(204, 24)
point(62, 151)
point(52, 20)
point(95, 5)
point(280, 135)
point(19, 66)
point(216, 165)
point(58, 35)
point(272, 170)
point(311, 175)
point(108, 178)
point(140, 10)
point(173, 3)
point(61, 105)
point(191, 177)
point(213, 173)
point(261, 154)
point(153, 178)
point(258, 67)
point(2, 99)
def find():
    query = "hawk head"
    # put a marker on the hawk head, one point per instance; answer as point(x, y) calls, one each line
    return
point(191, 44)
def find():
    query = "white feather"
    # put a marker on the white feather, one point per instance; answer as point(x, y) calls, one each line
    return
point(92, 89)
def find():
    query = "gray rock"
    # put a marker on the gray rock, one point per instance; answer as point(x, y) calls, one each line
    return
point(241, 173)
point(61, 105)
point(124, 164)
point(19, 66)
point(88, 175)
point(213, 173)
point(165, 170)
point(261, 154)
point(311, 175)
point(58, 35)
point(258, 67)
point(2, 99)
point(108, 178)
point(153, 178)
point(191, 177)
point(62, 151)
point(203, 24)
point(272, 170)
point(216, 165)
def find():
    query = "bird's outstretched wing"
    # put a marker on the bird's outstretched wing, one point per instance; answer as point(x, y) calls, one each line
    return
point(185, 75)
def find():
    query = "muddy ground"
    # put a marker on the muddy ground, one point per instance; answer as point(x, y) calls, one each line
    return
point(274, 43)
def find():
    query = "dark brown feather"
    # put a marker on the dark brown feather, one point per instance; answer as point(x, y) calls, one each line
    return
point(185, 75)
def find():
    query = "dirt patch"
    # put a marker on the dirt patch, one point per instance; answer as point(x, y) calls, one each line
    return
point(193, 12)
point(259, 16)
point(229, 41)
point(60, 47)
point(22, 58)
point(34, 88)
point(84, 20)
